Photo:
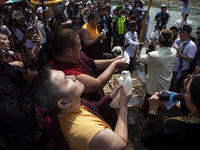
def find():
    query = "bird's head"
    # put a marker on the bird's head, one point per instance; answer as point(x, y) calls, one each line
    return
point(125, 73)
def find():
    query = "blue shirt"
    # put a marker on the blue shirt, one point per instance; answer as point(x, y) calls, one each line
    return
point(144, 12)
point(164, 17)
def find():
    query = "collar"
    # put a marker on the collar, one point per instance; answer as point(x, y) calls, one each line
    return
point(91, 26)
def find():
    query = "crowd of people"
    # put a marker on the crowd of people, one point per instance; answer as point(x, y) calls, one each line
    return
point(55, 61)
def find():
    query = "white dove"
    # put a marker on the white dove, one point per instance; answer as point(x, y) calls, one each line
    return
point(102, 33)
point(126, 57)
point(126, 81)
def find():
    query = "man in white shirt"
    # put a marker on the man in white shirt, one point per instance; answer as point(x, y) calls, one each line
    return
point(131, 43)
point(184, 21)
point(159, 68)
point(186, 50)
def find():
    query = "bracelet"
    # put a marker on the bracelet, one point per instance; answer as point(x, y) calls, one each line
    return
point(153, 111)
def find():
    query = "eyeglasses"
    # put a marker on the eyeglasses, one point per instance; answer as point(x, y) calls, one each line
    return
point(78, 18)
point(198, 32)
point(80, 8)
point(30, 14)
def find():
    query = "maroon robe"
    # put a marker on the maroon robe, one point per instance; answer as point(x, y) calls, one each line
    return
point(85, 66)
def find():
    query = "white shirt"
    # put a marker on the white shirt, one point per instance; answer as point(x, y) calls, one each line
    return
point(131, 40)
point(190, 50)
point(41, 31)
point(180, 22)
point(160, 63)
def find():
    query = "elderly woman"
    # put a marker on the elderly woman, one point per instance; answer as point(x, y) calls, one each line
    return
point(177, 132)
point(17, 59)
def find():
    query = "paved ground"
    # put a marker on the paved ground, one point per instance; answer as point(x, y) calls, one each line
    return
point(134, 130)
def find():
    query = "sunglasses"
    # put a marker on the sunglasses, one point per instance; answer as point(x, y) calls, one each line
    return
point(198, 33)
point(78, 18)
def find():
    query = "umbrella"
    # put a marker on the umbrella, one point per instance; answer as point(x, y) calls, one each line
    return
point(46, 2)
point(10, 1)
point(2, 2)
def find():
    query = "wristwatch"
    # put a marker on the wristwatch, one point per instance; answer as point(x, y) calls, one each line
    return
point(153, 111)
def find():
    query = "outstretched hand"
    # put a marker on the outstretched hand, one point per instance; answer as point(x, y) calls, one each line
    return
point(154, 101)
point(115, 92)
point(189, 77)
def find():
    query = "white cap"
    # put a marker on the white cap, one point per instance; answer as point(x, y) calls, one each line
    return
point(17, 15)
point(89, 2)
point(40, 10)
point(163, 5)
point(67, 3)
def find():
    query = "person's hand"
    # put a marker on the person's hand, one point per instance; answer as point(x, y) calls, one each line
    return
point(121, 64)
point(17, 63)
point(30, 54)
point(27, 56)
point(146, 44)
point(115, 92)
point(102, 36)
point(28, 33)
point(141, 44)
point(124, 99)
point(118, 58)
point(189, 77)
point(2, 55)
point(153, 42)
point(29, 75)
point(154, 101)
point(35, 39)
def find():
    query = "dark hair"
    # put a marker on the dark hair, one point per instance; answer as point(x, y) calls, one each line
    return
point(62, 39)
point(174, 28)
point(198, 28)
point(166, 37)
point(186, 28)
point(44, 93)
point(132, 23)
point(81, 23)
point(194, 91)
point(92, 15)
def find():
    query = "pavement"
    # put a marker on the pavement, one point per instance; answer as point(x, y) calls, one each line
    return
point(135, 129)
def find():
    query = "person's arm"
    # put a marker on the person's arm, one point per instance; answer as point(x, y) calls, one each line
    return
point(109, 140)
point(130, 41)
point(186, 57)
point(144, 58)
point(151, 134)
point(85, 38)
point(95, 84)
point(164, 26)
point(157, 18)
point(63, 24)
point(190, 55)
point(101, 64)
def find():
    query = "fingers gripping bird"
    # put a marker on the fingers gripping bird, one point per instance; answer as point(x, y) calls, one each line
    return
point(126, 81)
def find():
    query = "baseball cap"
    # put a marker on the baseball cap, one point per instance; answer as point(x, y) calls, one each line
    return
point(40, 10)
point(89, 2)
point(17, 15)
point(163, 5)
point(67, 3)
point(119, 7)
